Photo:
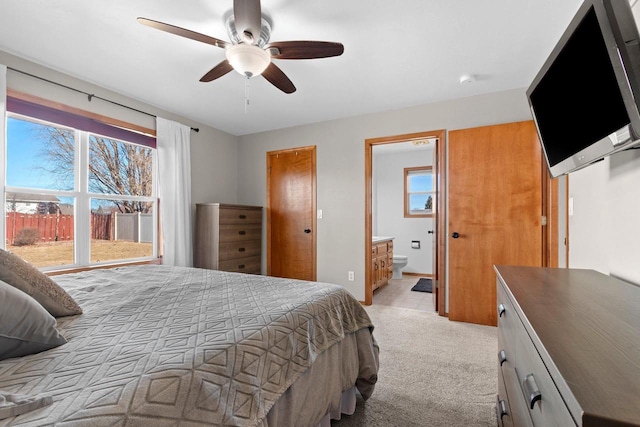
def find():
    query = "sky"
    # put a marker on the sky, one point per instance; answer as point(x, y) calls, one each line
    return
point(420, 183)
point(25, 159)
point(27, 163)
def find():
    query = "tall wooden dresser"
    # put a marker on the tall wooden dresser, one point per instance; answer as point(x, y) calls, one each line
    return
point(568, 348)
point(228, 237)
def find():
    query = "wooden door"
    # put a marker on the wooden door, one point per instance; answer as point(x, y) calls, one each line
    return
point(291, 220)
point(434, 232)
point(495, 213)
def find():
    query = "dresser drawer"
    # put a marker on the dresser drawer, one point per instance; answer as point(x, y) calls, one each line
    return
point(240, 216)
point(518, 411)
point(240, 232)
point(241, 265)
point(503, 412)
point(509, 323)
point(374, 250)
point(239, 249)
point(549, 410)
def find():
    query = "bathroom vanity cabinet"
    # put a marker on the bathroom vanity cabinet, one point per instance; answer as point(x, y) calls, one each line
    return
point(382, 262)
point(228, 237)
point(567, 348)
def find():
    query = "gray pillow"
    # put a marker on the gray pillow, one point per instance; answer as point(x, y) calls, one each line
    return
point(25, 326)
point(12, 405)
point(20, 274)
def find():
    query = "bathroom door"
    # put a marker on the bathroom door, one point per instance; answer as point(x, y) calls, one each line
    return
point(495, 212)
point(435, 230)
point(291, 219)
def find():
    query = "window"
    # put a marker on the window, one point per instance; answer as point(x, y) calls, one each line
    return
point(73, 196)
point(419, 194)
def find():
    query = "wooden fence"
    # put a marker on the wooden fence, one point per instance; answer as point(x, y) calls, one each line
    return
point(55, 228)
point(51, 227)
point(102, 226)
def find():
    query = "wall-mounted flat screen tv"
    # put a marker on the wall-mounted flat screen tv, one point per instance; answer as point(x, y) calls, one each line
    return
point(585, 98)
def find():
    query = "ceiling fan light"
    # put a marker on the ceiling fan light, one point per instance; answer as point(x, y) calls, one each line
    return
point(247, 59)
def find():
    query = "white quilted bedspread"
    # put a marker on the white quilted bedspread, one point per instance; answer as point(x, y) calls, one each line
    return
point(161, 345)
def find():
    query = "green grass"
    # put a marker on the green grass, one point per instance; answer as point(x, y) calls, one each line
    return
point(61, 253)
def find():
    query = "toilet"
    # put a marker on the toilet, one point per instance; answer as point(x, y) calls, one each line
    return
point(399, 261)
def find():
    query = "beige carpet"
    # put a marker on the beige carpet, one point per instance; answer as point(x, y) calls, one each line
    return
point(433, 372)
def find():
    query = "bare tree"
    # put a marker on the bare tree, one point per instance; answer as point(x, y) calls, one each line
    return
point(115, 167)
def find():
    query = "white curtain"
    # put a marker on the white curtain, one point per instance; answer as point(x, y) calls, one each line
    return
point(174, 185)
point(3, 134)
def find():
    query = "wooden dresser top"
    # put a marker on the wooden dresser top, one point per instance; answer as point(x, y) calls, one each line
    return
point(589, 324)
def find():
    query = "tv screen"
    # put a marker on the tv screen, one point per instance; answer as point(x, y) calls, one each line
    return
point(582, 98)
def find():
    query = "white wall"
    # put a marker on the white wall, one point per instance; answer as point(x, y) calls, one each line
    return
point(340, 168)
point(214, 154)
point(604, 230)
point(388, 213)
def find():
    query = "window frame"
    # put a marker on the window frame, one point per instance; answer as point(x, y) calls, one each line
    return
point(81, 194)
point(428, 170)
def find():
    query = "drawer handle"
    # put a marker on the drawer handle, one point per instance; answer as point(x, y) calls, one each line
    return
point(502, 407)
point(241, 249)
point(501, 309)
point(533, 392)
point(502, 357)
point(241, 266)
point(242, 232)
point(242, 216)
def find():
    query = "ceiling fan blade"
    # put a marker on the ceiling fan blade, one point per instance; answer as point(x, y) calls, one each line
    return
point(218, 71)
point(247, 15)
point(305, 49)
point(276, 77)
point(183, 32)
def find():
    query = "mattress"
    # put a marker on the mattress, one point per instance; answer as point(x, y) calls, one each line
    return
point(160, 345)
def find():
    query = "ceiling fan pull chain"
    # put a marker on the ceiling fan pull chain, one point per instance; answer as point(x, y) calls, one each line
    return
point(246, 95)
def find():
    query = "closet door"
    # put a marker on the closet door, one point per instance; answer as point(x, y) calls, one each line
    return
point(291, 219)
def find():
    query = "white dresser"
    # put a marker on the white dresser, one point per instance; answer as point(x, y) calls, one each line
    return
point(568, 348)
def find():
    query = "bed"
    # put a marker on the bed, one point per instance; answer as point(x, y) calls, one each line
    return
point(161, 345)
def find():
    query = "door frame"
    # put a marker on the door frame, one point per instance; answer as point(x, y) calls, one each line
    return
point(440, 172)
point(314, 227)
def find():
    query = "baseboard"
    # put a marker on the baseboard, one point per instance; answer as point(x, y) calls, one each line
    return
point(404, 273)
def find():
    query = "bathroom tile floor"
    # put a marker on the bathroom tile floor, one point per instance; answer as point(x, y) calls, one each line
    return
point(398, 293)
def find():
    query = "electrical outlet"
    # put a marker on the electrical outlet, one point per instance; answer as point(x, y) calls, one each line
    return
point(351, 276)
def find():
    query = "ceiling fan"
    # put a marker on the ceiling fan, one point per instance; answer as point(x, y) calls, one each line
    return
point(250, 52)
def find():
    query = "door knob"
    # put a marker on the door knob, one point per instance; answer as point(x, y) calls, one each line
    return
point(455, 235)
point(307, 230)
point(430, 231)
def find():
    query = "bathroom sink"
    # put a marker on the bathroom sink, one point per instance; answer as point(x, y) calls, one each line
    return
point(376, 239)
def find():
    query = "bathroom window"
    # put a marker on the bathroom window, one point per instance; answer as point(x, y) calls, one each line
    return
point(419, 194)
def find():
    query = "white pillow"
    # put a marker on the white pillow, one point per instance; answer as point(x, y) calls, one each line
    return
point(25, 326)
point(20, 274)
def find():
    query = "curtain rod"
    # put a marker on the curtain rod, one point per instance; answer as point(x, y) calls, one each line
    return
point(90, 96)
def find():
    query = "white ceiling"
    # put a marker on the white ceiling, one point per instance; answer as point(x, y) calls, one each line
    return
point(397, 53)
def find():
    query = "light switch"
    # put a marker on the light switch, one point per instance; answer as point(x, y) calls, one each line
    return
point(319, 213)
point(570, 208)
